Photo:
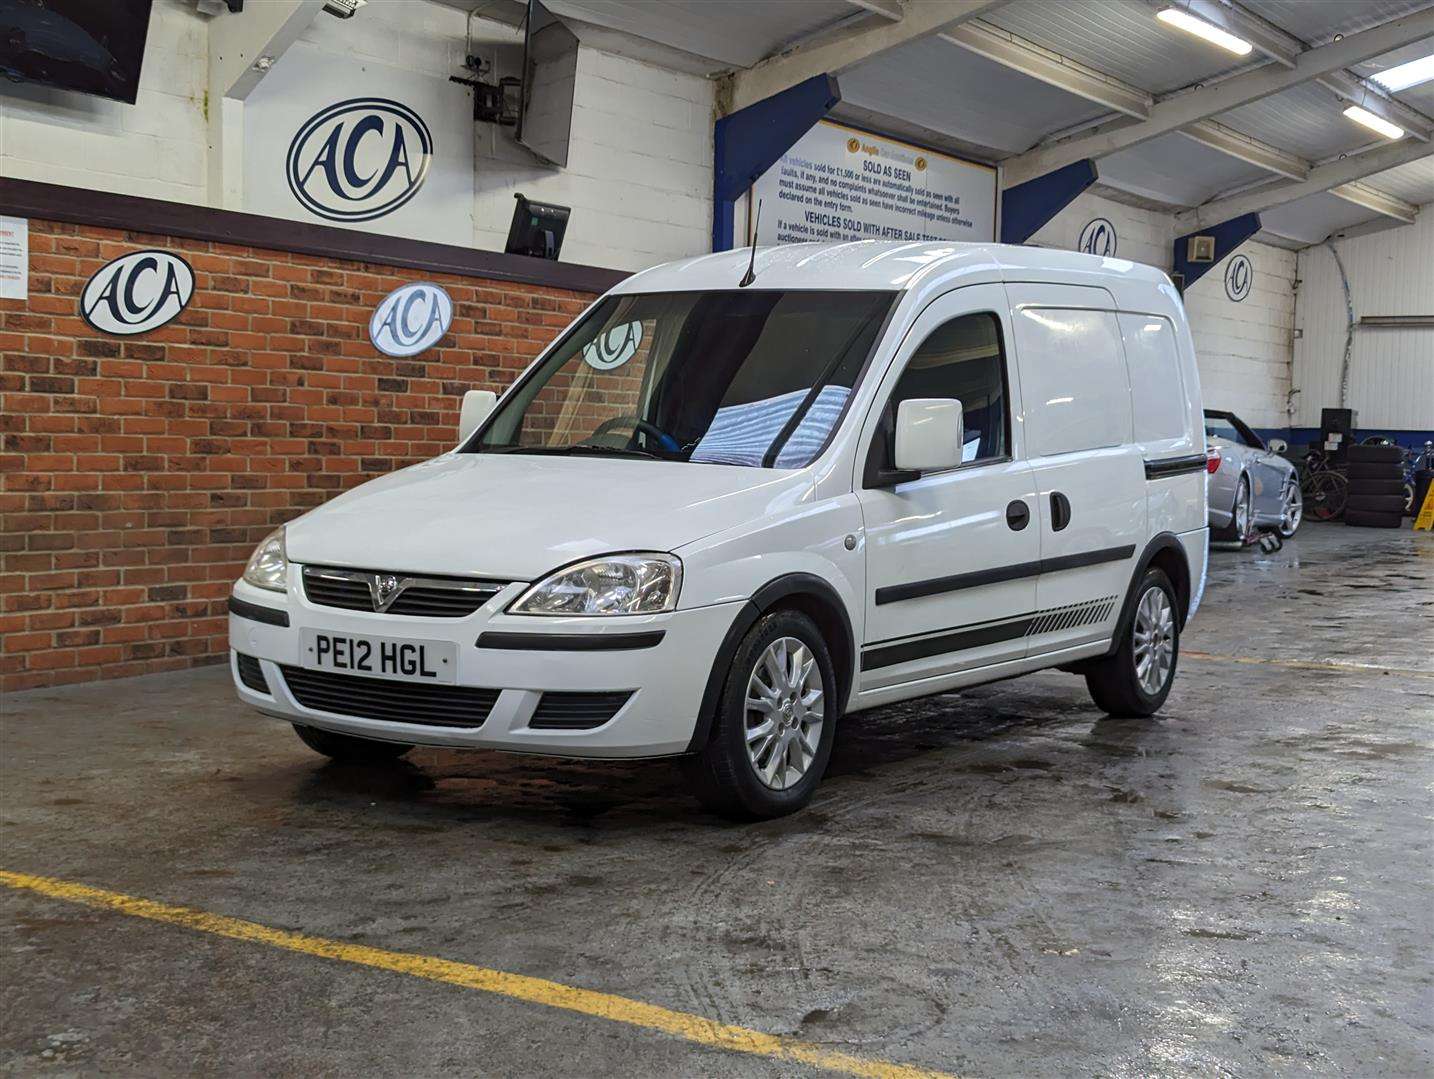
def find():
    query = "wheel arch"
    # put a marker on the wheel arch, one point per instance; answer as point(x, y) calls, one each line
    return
point(804, 592)
point(1166, 553)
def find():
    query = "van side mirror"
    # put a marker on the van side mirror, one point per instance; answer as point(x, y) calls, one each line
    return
point(928, 434)
point(477, 406)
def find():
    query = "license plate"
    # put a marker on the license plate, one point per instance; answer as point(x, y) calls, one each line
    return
point(380, 657)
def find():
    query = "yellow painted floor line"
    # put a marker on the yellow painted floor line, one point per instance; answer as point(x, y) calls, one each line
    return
point(1307, 664)
point(692, 1028)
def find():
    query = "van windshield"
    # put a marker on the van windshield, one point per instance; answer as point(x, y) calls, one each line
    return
point(757, 378)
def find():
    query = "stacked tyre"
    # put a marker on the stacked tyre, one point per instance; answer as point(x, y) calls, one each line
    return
point(1376, 487)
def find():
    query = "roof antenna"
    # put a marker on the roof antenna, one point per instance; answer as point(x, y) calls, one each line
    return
point(751, 274)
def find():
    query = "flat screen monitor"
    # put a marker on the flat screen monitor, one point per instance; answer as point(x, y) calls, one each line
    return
point(93, 46)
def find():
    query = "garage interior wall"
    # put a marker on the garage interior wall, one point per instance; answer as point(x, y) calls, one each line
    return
point(1391, 371)
point(1243, 348)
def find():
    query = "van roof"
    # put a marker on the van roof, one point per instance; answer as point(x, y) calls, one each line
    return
point(886, 265)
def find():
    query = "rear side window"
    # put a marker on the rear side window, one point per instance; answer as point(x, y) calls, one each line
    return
point(1156, 386)
point(1074, 385)
point(963, 359)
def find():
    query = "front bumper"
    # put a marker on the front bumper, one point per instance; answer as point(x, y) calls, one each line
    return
point(666, 680)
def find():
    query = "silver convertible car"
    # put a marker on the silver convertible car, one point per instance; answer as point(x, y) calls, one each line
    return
point(1251, 487)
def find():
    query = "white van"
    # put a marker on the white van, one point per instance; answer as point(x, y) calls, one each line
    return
point(722, 511)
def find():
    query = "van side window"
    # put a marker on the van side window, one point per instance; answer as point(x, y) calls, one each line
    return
point(964, 359)
point(1162, 411)
point(1075, 392)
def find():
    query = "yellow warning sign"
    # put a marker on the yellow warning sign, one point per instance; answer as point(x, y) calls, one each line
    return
point(1425, 520)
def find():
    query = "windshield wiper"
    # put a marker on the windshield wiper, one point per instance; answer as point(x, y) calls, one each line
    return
point(598, 449)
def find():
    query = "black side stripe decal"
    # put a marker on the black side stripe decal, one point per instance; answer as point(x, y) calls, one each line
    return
point(1087, 612)
point(895, 593)
point(1174, 466)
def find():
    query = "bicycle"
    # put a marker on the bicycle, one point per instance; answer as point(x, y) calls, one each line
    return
point(1324, 487)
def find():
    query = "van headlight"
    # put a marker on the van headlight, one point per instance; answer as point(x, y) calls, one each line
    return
point(269, 566)
point(616, 584)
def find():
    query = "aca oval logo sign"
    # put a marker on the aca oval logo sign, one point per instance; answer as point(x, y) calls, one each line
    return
point(410, 319)
point(609, 351)
point(1098, 238)
point(359, 159)
point(136, 293)
point(1239, 278)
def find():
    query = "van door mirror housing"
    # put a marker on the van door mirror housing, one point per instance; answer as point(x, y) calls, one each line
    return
point(928, 434)
point(478, 405)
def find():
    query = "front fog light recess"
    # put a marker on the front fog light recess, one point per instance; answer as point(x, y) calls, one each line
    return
point(269, 564)
point(617, 584)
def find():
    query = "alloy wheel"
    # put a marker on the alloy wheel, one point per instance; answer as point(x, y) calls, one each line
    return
point(784, 712)
point(1294, 509)
point(1154, 640)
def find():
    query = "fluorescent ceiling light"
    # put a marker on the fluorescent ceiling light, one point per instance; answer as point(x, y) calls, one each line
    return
point(1406, 75)
point(1183, 20)
point(1374, 123)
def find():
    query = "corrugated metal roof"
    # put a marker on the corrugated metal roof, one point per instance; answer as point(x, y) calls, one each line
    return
point(1175, 170)
point(1317, 21)
point(1307, 120)
point(1413, 182)
point(1121, 38)
point(946, 88)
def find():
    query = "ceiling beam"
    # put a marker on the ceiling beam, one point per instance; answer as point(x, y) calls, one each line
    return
point(1359, 92)
point(237, 40)
point(1381, 202)
point(894, 10)
point(1321, 178)
point(1181, 110)
point(833, 56)
point(1250, 150)
point(1051, 68)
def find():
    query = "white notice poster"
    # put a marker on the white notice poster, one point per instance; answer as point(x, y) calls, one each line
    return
point(14, 258)
point(839, 183)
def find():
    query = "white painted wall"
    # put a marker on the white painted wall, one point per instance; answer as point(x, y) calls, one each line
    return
point(1243, 349)
point(1391, 380)
point(156, 147)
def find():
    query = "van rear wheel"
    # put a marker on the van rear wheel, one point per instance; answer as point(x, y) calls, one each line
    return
point(1135, 679)
point(775, 722)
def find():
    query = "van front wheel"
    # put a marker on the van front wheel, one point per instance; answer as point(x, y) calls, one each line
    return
point(775, 722)
point(1135, 679)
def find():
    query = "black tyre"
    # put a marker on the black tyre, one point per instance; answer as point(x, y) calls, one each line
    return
point(1135, 679)
point(1374, 520)
point(1358, 472)
point(1373, 454)
point(347, 748)
point(1239, 526)
point(775, 722)
point(1362, 503)
point(1377, 487)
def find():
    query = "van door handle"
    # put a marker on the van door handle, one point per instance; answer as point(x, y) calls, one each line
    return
point(1060, 511)
point(1018, 515)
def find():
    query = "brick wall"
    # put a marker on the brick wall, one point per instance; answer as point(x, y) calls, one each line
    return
point(138, 473)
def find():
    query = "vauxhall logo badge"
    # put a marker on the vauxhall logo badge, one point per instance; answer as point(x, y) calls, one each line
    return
point(410, 319)
point(137, 292)
point(385, 585)
point(359, 159)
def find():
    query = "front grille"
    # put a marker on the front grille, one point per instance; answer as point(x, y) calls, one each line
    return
point(576, 711)
point(251, 673)
point(415, 597)
point(397, 702)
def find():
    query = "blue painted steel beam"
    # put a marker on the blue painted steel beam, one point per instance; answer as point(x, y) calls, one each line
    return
point(750, 141)
point(1228, 236)
point(1028, 206)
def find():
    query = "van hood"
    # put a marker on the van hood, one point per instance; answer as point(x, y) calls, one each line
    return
point(519, 516)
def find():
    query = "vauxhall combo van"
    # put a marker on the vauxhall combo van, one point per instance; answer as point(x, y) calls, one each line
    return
point(744, 496)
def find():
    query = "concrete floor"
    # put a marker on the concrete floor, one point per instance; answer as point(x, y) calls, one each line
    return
point(999, 882)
